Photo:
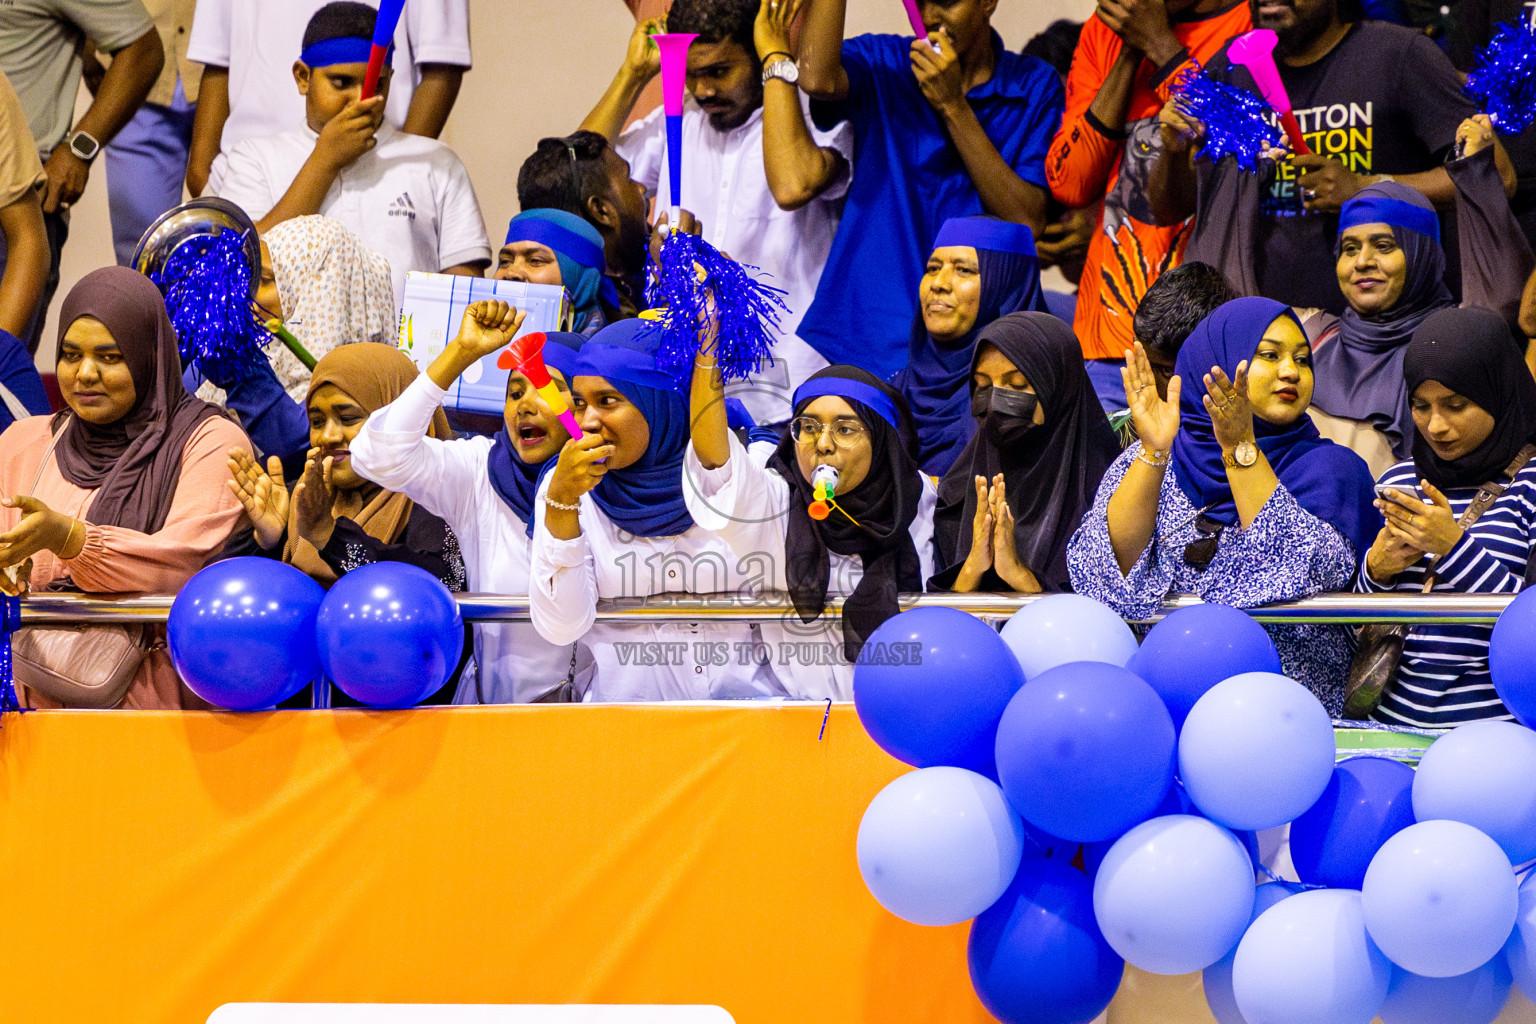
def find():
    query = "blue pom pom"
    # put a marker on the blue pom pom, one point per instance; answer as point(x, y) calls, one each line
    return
point(10, 622)
point(1236, 121)
point(207, 287)
point(1504, 81)
point(748, 309)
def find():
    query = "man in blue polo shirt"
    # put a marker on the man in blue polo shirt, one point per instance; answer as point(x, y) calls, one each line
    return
point(950, 126)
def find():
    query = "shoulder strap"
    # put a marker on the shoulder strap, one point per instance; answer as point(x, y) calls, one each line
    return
point(47, 454)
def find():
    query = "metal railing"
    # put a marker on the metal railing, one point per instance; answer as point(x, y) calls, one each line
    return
point(1334, 609)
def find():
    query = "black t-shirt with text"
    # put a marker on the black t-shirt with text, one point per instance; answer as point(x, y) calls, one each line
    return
point(1384, 101)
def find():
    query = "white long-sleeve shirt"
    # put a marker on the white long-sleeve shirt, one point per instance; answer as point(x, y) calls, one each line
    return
point(451, 479)
point(724, 184)
point(746, 503)
point(672, 660)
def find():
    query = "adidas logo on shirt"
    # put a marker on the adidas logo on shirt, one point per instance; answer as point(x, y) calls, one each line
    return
point(403, 207)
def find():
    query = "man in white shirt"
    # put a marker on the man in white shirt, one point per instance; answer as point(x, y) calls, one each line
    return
point(763, 214)
point(247, 50)
point(406, 197)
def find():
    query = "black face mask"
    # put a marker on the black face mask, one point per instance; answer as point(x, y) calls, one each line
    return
point(1005, 415)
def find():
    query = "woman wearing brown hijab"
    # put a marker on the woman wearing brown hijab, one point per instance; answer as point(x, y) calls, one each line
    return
point(336, 521)
point(123, 492)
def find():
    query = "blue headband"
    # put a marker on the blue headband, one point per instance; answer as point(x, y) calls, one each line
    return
point(986, 233)
point(1394, 212)
point(341, 50)
point(561, 231)
point(841, 387)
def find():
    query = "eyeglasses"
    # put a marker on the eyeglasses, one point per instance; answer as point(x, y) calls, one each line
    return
point(807, 430)
point(1199, 553)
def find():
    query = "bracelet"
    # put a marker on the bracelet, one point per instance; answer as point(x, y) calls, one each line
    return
point(69, 541)
point(1158, 460)
point(776, 53)
point(552, 503)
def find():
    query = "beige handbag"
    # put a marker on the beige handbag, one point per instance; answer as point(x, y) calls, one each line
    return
point(77, 666)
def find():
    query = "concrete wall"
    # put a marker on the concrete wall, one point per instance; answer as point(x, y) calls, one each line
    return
point(539, 67)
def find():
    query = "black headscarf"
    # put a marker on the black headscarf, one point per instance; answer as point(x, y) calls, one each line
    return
point(1471, 352)
point(884, 504)
point(133, 463)
point(1052, 471)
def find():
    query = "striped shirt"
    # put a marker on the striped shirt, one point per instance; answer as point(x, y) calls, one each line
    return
point(1442, 680)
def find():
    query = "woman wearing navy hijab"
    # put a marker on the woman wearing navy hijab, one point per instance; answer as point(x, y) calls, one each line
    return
point(611, 522)
point(1231, 494)
point(981, 269)
point(483, 489)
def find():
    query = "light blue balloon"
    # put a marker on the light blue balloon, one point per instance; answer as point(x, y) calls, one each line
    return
point(1521, 950)
point(1174, 894)
point(1309, 960)
point(939, 845)
point(1217, 978)
point(1063, 628)
point(1472, 998)
point(1481, 774)
point(1440, 898)
point(1256, 751)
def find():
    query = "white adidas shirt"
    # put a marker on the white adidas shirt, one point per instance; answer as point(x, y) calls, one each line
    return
point(408, 199)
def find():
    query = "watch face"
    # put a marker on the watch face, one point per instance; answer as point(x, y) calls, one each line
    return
point(1246, 454)
point(83, 146)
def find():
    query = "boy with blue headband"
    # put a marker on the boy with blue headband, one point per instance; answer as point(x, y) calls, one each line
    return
point(406, 197)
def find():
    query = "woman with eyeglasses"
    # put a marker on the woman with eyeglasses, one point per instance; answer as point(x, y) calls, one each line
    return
point(1042, 444)
point(611, 523)
point(864, 534)
point(1231, 494)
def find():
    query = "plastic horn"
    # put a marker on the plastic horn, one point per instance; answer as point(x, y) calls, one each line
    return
point(674, 78)
point(915, 16)
point(1256, 51)
point(294, 345)
point(526, 355)
point(824, 484)
point(383, 36)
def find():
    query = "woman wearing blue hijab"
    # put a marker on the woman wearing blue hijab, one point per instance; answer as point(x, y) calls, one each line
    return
point(611, 522)
point(981, 269)
point(484, 489)
point(559, 248)
point(1231, 494)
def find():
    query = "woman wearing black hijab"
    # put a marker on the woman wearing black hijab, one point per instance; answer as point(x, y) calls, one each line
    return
point(1017, 493)
point(1474, 413)
point(872, 541)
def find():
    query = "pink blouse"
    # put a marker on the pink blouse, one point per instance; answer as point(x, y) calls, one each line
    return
point(114, 560)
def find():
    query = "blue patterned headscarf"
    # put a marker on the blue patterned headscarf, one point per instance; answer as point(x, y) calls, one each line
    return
point(646, 498)
point(1326, 479)
point(514, 480)
point(578, 248)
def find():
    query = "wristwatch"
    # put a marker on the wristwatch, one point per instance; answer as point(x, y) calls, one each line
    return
point(83, 145)
point(1244, 455)
point(786, 70)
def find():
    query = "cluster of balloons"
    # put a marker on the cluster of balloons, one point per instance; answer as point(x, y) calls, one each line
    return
point(1089, 802)
point(248, 633)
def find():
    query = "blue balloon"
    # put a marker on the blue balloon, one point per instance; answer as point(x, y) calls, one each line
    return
point(241, 633)
point(939, 845)
point(1063, 628)
point(1472, 998)
point(1036, 955)
point(390, 634)
point(1174, 894)
point(1481, 774)
point(1217, 978)
point(1512, 657)
point(1085, 751)
point(1176, 802)
point(936, 699)
point(1440, 898)
point(1308, 960)
point(1368, 801)
point(1197, 647)
point(1256, 751)
point(1521, 950)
